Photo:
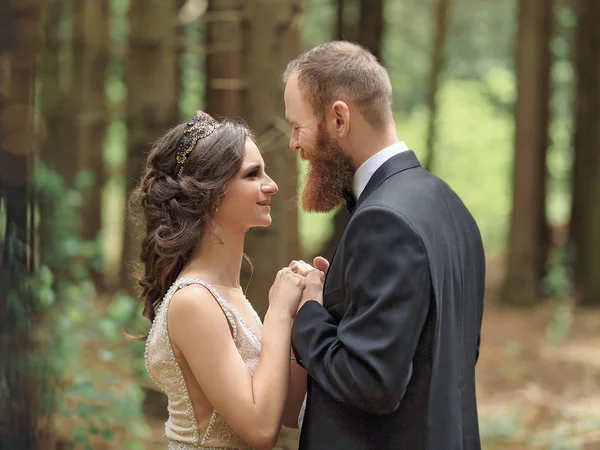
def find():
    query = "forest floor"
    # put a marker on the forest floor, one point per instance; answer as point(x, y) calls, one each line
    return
point(532, 394)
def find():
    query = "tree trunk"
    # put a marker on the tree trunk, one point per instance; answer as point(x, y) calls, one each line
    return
point(587, 113)
point(544, 82)
point(272, 38)
point(440, 21)
point(348, 20)
point(521, 286)
point(21, 425)
point(223, 47)
point(50, 93)
point(152, 78)
point(90, 114)
point(51, 102)
point(339, 20)
point(586, 167)
point(91, 117)
point(371, 26)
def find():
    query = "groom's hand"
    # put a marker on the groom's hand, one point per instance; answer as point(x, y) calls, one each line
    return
point(321, 264)
point(314, 287)
point(303, 268)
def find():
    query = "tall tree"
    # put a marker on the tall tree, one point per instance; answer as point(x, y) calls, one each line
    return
point(90, 112)
point(223, 48)
point(586, 165)
point(339, 20)
point(527, 241)
point(152, 78)
point(347, 27)
point(51, 100)
point(51, 103)
point(360, 21)
point(90, 44)
point(20, 44)
point(440, 21)
point(371, 25)
point(271, 36)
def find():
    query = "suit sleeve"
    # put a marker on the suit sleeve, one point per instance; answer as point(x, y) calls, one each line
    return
point(366, 360)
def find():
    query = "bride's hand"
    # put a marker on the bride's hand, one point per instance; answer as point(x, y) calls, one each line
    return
point(286, 291)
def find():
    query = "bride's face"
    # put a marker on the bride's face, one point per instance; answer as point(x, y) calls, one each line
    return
point(247, 199)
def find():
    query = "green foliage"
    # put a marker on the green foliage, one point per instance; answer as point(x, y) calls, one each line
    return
point(504, 425)
point(72, 324)
point(557, 439)
point(125, 313)
point(318, 20)
point(558, 285)
point(107, 408)
point(474, 151)
point(569, 434)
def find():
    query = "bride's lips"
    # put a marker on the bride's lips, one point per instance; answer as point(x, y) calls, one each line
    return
point(265, 203)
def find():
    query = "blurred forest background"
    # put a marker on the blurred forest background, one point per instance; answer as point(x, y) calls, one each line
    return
point(500, 98)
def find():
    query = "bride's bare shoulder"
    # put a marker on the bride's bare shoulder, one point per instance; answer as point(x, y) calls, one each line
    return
point(194, 307)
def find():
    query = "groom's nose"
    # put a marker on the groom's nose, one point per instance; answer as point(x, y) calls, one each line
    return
point(294, 142)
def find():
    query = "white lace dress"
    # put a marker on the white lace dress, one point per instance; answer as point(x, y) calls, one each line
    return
point(182, 426)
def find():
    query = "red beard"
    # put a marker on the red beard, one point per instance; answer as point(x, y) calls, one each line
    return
point(330, 173)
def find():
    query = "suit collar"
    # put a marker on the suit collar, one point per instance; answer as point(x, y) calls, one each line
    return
point(399, 163)
point(369, 167)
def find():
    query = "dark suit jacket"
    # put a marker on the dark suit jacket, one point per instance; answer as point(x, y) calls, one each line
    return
point(391, 353)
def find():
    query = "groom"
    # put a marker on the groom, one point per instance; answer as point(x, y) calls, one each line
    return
point(391, 342)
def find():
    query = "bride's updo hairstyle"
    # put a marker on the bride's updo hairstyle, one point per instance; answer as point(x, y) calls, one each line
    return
point(186, 175)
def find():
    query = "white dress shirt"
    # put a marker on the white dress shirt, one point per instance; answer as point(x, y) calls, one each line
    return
point(369, 167)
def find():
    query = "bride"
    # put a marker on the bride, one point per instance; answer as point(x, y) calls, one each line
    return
point(230, 380)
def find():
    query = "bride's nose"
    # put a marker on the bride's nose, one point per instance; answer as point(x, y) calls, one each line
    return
point(270, 187)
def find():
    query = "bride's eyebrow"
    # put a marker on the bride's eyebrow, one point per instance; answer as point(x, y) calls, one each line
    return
point(251, 168)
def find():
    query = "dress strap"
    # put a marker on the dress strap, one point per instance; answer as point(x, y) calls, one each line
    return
point(225, 306)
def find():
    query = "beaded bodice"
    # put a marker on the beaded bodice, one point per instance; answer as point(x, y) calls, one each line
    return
point(182, 426)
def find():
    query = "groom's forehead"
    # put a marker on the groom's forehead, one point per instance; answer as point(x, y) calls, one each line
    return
point(297, 110)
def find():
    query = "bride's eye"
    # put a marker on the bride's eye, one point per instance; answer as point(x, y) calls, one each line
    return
point(252, 174)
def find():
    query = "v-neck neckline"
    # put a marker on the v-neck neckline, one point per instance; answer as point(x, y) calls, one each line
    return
point(239, 316)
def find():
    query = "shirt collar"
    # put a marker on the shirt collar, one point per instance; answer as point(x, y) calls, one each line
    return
point(364, 173)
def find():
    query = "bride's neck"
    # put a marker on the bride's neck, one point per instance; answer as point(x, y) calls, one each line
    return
point(217, 259)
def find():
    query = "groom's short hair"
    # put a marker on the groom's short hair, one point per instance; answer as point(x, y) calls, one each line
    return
point(341, 70)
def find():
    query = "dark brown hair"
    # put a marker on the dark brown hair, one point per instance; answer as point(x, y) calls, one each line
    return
point(178, 210)
point(341, 70)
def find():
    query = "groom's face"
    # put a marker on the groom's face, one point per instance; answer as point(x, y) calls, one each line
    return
point(330, 171)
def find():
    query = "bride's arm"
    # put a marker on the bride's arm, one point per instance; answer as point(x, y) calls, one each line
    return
point(251, 405)
point(296, 393)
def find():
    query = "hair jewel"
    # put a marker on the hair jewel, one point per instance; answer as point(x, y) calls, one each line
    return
point(201, 126)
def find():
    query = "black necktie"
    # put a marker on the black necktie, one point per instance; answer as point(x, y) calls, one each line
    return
point(350, 200)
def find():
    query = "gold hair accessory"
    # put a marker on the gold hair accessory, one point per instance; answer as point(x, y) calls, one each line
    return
point(198, 128)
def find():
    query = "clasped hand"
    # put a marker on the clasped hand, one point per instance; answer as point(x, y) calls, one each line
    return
point(298, 283)
point(315, 276)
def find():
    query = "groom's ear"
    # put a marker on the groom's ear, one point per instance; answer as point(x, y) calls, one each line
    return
point(341, 116)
